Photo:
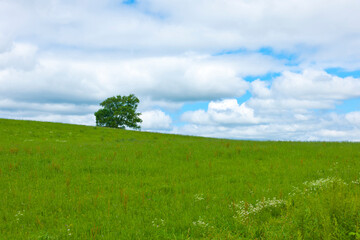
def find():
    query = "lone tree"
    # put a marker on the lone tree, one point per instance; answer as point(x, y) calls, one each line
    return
point(118, 112)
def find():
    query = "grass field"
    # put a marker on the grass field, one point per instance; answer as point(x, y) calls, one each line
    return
point(61, 181)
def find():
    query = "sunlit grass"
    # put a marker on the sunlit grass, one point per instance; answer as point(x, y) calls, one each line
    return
point(61, 181)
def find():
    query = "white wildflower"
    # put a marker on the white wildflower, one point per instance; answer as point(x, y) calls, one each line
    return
point(357, 181)
point(68, 229)
point(19, 214)
point(158, 222)
point(323, 183)
point(245, 210)
point(200, 223)
point(317, 185)
point(199, 197)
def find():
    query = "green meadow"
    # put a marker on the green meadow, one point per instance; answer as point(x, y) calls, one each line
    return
point(60, 181)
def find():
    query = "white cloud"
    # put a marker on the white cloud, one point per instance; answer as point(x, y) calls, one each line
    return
point(43, 108)
point(155, 120)
point(260, 89)
point(311, 89)
point(332, 133)
point(318, 130)
point(324, 34)
point(87, 119)
point(172, 79)
point(225, 112)
point(286, 108)
point(353, 118)
point(20, 56)
point(269, 23)
point(49, 83)
point(312, 84)
point(147, 103)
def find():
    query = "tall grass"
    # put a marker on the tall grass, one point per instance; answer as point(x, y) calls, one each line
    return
point(61, 181)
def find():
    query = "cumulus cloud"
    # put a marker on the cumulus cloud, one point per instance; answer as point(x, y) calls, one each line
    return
point(56, 108)
point(311, 89)
point(172, 79)
point(163, 27)
point(155, 120)
point(353, 118)
point(49, 82)
point(318, 129)
point(225, 112)
point(20, 56)
point(86, 119)
point(313, 84)
point(286, 108)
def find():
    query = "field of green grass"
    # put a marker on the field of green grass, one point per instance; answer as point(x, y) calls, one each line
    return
point(60, 181)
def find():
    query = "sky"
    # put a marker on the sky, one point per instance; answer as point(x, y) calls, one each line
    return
point(238, 69)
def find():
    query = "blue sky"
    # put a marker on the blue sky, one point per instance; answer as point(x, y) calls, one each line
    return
point(231, 69)
point(129, 2)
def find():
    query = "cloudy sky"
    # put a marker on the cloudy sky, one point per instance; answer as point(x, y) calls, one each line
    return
point(243, 69)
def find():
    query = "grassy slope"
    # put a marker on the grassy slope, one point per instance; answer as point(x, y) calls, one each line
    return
point(61, 181)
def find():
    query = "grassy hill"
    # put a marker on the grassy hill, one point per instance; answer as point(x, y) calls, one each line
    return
point(60, 181)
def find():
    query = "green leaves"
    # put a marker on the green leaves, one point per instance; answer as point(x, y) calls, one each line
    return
point(118, 112)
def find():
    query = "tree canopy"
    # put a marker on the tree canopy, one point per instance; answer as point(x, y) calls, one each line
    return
point(118, 112)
